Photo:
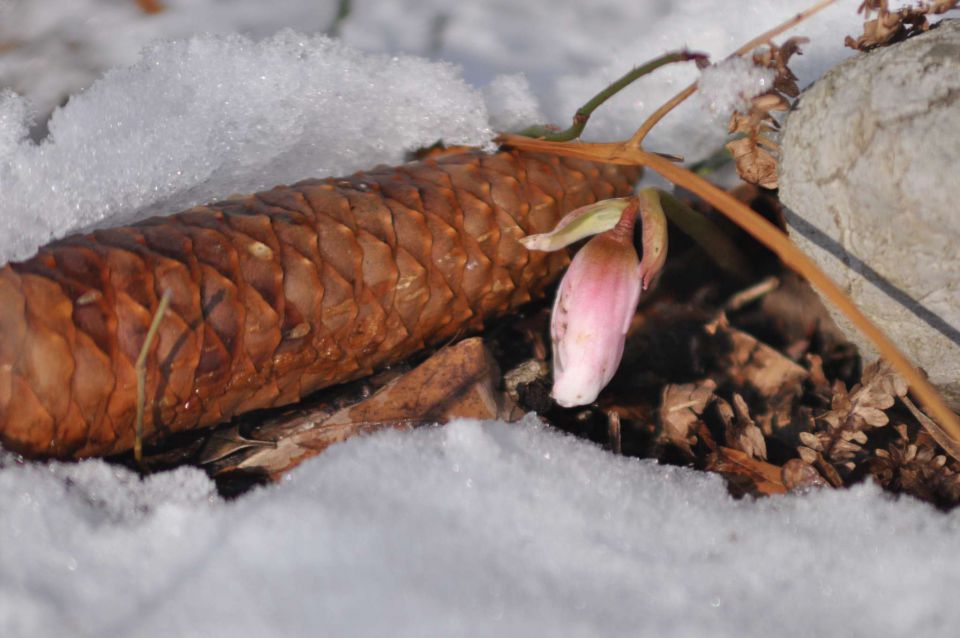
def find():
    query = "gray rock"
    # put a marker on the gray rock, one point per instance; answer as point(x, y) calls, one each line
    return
point(869, 169)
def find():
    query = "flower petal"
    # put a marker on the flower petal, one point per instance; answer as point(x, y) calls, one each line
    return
point(592, 219)
point(653, 234)
point(595, 302)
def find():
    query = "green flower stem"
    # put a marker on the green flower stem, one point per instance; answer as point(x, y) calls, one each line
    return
point(583, 114)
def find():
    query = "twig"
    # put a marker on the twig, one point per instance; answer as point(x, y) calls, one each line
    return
point(751, 294)
point(141, 369)
point(936, 433)
point(582, 116)
point(613, 432)
point(637, 139)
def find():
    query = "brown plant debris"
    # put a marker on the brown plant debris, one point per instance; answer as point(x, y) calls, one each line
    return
point(680, 411)
point(889, 26)
point(756, 383)
point(751, 380)
point(459, 381)
point(911, 464)
point(798, 475)
point(739, 430)
point(839, 435)
point(747, 474)
point(755, 153)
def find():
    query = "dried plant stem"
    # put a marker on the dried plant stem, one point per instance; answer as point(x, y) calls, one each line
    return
point(783, 26)
point(614, 438)
point(637, 138)
point(582, 116)
point(141, 369)
point(771, 237)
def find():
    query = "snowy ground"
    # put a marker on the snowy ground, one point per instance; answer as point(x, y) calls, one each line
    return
point(471, 529)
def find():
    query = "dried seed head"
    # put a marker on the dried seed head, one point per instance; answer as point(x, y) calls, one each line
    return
point(808, 455)
point(810, 440)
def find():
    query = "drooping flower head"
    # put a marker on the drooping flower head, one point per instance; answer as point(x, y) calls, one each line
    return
point(598, 294)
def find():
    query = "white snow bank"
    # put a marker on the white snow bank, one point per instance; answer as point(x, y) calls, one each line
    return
point(55, 48)
point(466, 530)
point(200, 119)
point(197, 120)
point(570, 49)
point(203, 118)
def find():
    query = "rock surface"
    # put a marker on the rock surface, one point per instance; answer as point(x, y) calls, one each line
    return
point(869, 171)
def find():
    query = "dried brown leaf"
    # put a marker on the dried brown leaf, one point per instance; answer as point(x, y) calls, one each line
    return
point(816, 376)
point(757, 477)
point(771, 101)
point(740, 432)
point(680, 409)
point(786, 81)
point(754, 164)
point(807, 454)
point(752, 362)
point(458, 381)
point(874, 417)
point(827, 470)
point(914, 467)
point(811, 440)
point(754, 155)
point(933, 429)
point(798, 475)
point(893, 26)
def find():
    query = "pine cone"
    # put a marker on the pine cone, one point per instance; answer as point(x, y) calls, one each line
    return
point(274, 295)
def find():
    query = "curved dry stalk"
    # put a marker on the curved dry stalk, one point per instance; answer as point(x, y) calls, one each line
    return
point(140, 367)
point(771, 237)
point(637, 138)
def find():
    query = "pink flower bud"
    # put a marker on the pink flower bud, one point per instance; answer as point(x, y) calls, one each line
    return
point(595, 303)
point(600, 290)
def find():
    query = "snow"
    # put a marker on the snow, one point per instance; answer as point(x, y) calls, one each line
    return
point(61, 46)
point(511, 103)
point(231, 113)
point(466, 530)
point(195, 119)
point(470, 529)
point(199, 119)
point(569, 50)
point(729, 85)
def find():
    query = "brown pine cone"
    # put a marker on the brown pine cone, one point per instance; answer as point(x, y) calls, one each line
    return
point(274, 295)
